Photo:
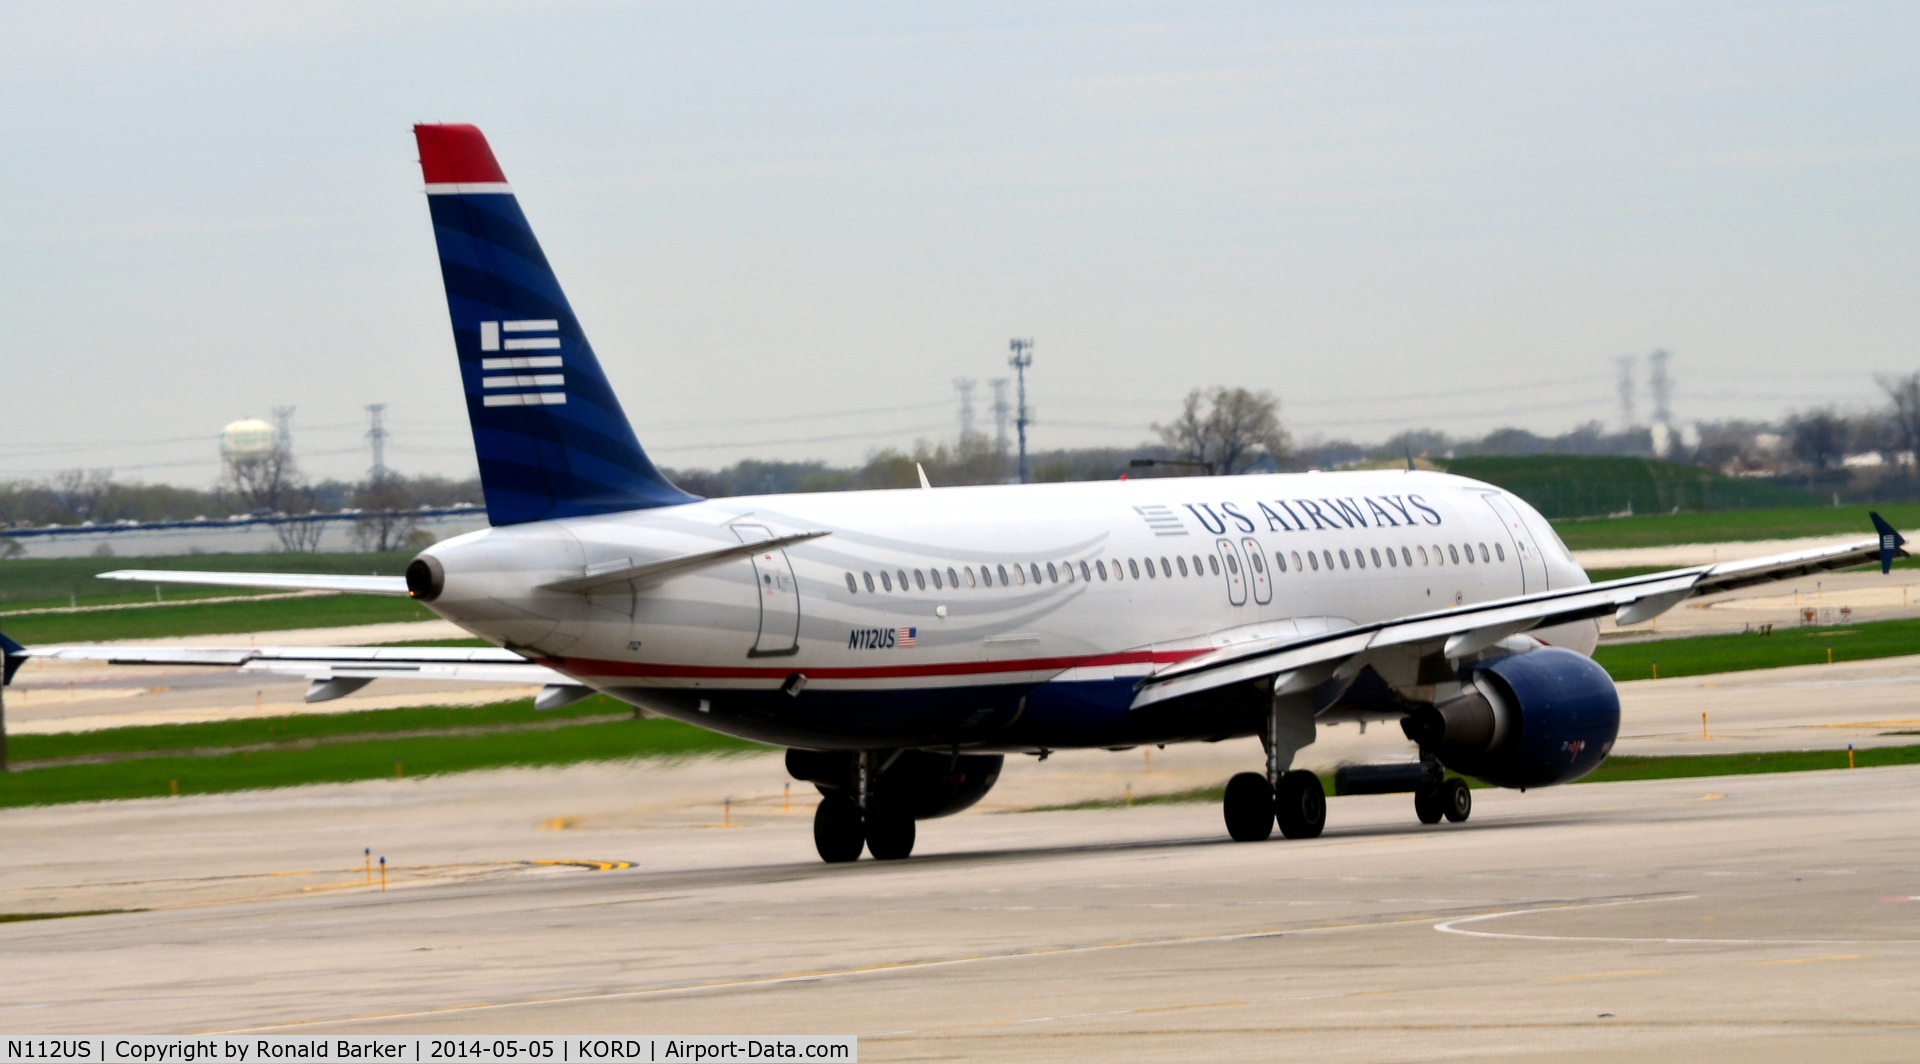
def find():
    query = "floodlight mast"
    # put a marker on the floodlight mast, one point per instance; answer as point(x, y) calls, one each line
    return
point(1022, 358)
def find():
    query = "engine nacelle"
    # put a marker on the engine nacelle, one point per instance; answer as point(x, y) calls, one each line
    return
point(1526, 720)
point(925, 783)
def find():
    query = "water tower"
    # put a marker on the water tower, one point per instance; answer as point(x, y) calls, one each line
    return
point(242, 440)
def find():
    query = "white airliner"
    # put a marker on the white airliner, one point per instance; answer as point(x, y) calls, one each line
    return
point(899, 643)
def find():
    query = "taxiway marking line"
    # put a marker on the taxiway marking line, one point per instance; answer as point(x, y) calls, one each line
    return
point(1607, 975)
point(1807, 960)
point(1449, 927)
point(839, 973)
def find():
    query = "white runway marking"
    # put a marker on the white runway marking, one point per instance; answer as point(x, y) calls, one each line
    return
point(1450, 927)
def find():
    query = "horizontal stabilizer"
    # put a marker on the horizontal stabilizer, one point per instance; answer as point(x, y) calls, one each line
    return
point(655, 572)
point(327, 664)
point(358, 585)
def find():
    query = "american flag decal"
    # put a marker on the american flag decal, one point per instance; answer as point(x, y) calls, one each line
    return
point(904, 637)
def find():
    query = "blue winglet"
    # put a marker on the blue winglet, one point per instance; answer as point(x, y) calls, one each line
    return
point(1890, 541)
point(15, 656)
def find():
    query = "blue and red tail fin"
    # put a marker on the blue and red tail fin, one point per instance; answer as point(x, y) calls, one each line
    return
point(551, 438)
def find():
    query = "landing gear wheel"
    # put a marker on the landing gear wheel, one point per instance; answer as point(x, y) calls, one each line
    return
point(1426, 803)
point(889, 838)
point(1301, 805)
point(1456, 801)
point(1249, 807)
point(837, 831)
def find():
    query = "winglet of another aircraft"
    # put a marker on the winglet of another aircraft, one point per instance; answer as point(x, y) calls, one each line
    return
point(1890, 541)
point(15, 656)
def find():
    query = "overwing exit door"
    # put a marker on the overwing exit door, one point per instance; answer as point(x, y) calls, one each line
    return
point(779, 596)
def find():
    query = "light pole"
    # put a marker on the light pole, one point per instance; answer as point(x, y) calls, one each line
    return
point(1022, 358)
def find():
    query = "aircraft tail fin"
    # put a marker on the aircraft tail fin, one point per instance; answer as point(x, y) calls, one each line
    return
point(12, 656)
point(550, 436)
point(1890, 541)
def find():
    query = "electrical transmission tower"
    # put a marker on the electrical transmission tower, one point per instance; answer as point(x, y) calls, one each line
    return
point(1660, 386)
point(965, 386)
point(1625, 363)
point(1001, 408)
point(377, 437)
point(1021, 358)
point(283, 429)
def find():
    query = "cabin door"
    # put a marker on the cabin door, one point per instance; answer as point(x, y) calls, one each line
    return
point(779, 596)
point(1533, 564)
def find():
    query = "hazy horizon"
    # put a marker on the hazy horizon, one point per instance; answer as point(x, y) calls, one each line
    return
point(771, 217)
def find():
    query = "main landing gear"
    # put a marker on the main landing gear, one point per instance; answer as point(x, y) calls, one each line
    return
point(1293, 799)
point(1447, 798)
point(845, 824)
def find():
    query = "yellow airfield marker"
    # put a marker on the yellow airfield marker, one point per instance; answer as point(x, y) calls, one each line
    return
point(175, 785)
point(1829, 653)
point(1129, 796)
point(1656, 668)
point(1703, 724)
point(368, 855)
point(726, 813)
point(383, 875)
point(786, 798)
point(1849, 755)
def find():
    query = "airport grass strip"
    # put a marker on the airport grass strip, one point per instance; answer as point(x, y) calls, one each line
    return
point(1725, 526)
point(1615, 769)
point(293, 751)
point(1741, 651)
point(274, 614)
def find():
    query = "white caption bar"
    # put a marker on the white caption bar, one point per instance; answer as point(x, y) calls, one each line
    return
point(410, 1049)
point(523, 362)
point(526, 399)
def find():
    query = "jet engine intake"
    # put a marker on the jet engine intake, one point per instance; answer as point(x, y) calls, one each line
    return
point(1532, 719)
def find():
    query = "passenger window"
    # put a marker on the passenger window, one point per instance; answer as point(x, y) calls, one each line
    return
point(1151, 571)
point(1315, 559)
point(1280, 559)
point(1296, 560)
point(936, 579)
point(1453, 554)
point(901, 575)
point(1359, 557)
point(986, 575)
point(1198, 569)
point(1392, 562)
point(1423, 555)
point(1003, 575)
point(868, 577)
point(1101, 568)
point(1233, 566)
point(1500, 552)
point(851, 586)
point(969, 571)
point(1166, 568)
point(953, 578)
point(1376, 555)
point(1183, 565)
point(1327, 556)
point(1438, 559)
point(1053, 575)
point(1484, 557)
point(1019, 575)
point(885, 580)
point(1213, 562)
point(1343, 561)
point(1035, 566)
point(1086, 575)
point(1133, 568)
point(920, 580)
point(1406, 556)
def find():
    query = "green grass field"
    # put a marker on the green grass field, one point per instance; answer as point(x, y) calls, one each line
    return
point(291, 751)
point(1660, 530)
point(1573, 485)
point(1700, 655)
point(319, 611)
point(33, 582)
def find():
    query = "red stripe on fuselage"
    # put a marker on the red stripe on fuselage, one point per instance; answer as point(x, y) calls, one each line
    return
point(654, 670)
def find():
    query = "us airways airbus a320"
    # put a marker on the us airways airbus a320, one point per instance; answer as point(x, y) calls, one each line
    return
point(900, 643)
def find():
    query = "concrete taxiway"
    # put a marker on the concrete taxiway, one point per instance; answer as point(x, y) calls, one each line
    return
point(1739, 918)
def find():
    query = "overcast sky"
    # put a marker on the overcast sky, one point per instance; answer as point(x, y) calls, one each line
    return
point(787, 227)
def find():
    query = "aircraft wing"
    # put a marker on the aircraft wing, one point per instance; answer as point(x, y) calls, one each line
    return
point(335, 671)
point(1299, 663)
point(363, 585)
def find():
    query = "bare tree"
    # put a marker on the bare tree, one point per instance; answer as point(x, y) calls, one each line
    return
point(1239, 429)
point(1905, 394)
point(80, 491)
point(1819, 439)
point(271, 484)
point(387, 514)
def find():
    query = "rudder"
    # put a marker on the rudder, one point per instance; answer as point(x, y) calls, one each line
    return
point(550, 436)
